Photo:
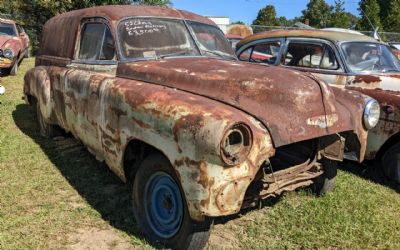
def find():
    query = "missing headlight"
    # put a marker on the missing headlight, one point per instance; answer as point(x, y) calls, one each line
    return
point(236, 144)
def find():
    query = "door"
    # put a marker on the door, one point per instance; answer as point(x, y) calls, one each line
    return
point(316, 56)
point(86, 84)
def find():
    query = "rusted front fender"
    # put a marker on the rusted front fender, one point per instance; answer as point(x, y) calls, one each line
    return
point(386, 90)
point(188, 130)
point(346, 109)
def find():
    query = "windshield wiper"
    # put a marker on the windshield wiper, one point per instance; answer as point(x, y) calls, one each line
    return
point(180, 53)
point(390, 70)
point(223, 55)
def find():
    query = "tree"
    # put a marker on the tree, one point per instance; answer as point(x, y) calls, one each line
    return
point(369, 12)
point(318, 12)
point(392, 20)
point(384, 6)
point(339, 18)
point(266, 16)
point(238, 22)
point(153, 2)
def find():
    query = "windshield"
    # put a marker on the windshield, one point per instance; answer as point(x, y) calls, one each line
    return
point(153, 38)
point(362, 57)
point(211, 40)
point(7, 29)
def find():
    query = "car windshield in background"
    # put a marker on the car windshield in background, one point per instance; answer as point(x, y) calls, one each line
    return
point(395, 45)
point(212, 41)
point(369, 57)
point(7, 29)
point(144, 38)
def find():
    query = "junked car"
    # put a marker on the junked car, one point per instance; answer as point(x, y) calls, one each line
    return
point(346, 60)
point(14, 46)
point(233, 39)
point(159, 95)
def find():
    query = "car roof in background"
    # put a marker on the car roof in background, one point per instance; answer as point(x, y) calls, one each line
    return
point(333, 36)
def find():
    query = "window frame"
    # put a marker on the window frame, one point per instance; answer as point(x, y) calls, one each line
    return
point(94, 20)
point(251, 46)
point(314, 41)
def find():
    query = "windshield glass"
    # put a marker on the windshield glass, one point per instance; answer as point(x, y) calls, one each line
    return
point(153, 38)
point(211, 40)
point(7, 29)
point(364, 57)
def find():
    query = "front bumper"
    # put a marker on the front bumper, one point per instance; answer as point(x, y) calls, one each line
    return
point(5, 62)
point(226, 190)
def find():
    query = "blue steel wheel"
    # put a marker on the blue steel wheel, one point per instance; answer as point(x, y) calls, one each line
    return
point(160, 209)
point(163, 205)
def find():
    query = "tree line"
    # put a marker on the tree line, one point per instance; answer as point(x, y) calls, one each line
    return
point(384, 14)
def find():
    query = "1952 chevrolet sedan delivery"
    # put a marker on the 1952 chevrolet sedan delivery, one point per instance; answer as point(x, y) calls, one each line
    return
point(159, 95)
point(14, 46)
point(349, 60)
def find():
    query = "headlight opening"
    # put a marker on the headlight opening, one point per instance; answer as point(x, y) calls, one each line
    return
point(372, 112)
point(8, 53)
point(236, 144)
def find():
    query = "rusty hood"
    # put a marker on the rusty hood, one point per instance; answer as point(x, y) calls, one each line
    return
point(289, 103)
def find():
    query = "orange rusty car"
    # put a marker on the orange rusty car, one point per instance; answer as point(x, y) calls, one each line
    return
point(345, 60)
point(158, 94)
point(14, 46)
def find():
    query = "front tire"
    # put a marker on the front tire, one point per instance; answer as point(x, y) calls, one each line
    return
point(391, 163)
point(160, 208)
point(14, 69)
point(326, 182)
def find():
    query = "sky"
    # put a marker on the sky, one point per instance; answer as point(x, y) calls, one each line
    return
point(246, 10)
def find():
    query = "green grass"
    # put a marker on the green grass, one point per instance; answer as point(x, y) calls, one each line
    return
point(54, 194)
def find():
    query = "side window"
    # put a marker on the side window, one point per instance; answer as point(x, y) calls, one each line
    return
point(245, 55)
point(96, 42)
point(266, 52)
point(310, 56)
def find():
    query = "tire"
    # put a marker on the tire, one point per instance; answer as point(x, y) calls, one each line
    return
point(27, 53)
point(46, 130)
point(326, 182)
point(391, 163)
point(160, 209)
point(14, 68)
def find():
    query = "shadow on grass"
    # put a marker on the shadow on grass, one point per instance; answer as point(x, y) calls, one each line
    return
point(370, 170)
point(92, 179)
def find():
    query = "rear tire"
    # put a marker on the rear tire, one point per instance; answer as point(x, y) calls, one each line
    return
point(326, 182)
point(46, 130)
point(160, 208)
point(391, 163)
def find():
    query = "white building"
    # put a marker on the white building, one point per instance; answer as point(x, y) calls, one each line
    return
point(222, 21)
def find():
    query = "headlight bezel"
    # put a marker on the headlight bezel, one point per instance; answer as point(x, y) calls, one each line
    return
point(10, 53)
point(371, 106)
point(236, 144)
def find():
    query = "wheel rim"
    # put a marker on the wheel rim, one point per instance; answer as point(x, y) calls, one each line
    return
point(163, 205)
